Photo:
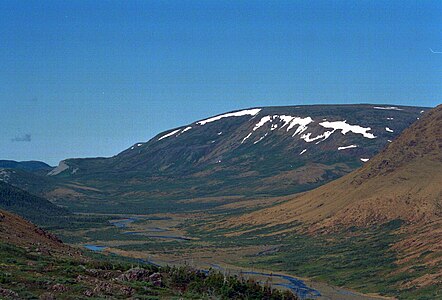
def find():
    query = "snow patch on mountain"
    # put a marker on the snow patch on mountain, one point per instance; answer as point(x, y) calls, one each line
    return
point(250, 112)
point(289, 121)
point(186, 129)
point(388, 129)
point(345, 127)
point(169, 134)
point(261, 138)
point(387, 107)
point(322, 137)
point(347, 147)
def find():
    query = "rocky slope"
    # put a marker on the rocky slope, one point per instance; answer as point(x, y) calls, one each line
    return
point(19, 232)
point(259, 151)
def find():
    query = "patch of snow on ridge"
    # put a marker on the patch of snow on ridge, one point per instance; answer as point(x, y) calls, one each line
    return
point(288, 121)
point(244, 139)
point(247, 112)
point(302, 122)
point(262, 122)
point(365, 159)
point(388, 129)
point(139, 145)
point(169, 134)
point(347, 147)
point(257, 126)
point(387, 107)
point(185, 129)
point(306, 137)
point(260, 139)
point(345, 127)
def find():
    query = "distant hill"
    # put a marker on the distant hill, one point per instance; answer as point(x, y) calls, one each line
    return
point(266, 151)
point(25, 165)
point(33, 208)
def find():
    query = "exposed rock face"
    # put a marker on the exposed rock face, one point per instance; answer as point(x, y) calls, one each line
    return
point(135, 275)
point(49, 235)
point(141, 275)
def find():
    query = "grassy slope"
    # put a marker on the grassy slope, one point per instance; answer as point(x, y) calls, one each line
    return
point(359, 258)
point(34, 263)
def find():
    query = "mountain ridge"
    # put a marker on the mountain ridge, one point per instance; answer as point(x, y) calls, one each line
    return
point(252, 152)
point(415, 155)
point(31, 165)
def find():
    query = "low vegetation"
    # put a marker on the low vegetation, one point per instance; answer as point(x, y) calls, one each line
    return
point(25, 273)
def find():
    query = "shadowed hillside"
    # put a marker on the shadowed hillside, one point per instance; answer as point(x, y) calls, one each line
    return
point(33, 208)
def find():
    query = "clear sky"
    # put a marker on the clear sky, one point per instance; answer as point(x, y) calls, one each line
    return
point(90, 78)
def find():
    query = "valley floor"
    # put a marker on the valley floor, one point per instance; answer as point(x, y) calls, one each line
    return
point(188, 239)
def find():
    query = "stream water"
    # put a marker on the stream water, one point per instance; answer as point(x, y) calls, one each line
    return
point(292, 283)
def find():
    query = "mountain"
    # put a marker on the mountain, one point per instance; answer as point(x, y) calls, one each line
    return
point(401, 182)
point(254, 152)
point(25, 165)
point(33, 208)
point(401, 185)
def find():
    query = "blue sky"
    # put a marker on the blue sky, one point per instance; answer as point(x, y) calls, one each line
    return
point(90, 78)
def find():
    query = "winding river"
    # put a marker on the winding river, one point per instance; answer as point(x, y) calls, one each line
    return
point(311, 290)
